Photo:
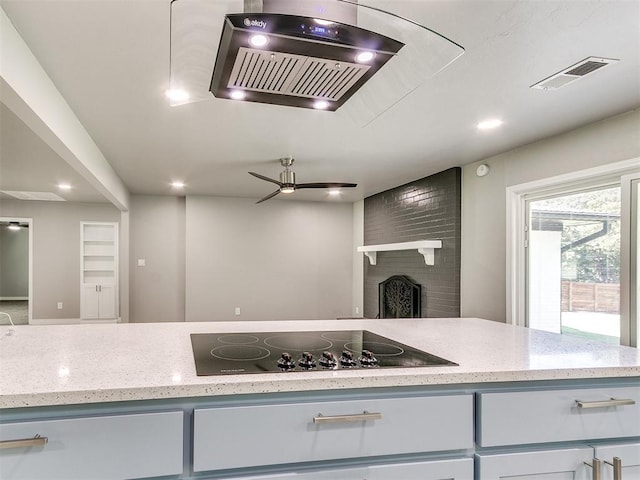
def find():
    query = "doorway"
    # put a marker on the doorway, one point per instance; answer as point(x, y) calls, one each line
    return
point(16, 269)
point(573, 263)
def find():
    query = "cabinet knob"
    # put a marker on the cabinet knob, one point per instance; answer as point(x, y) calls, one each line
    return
point(617, 467)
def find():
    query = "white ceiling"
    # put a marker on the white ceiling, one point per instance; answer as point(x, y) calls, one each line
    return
point(110, 60)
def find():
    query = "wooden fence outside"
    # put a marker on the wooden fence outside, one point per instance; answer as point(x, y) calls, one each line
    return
point(590, 297)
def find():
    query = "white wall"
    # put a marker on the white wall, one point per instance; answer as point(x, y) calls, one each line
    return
point(278, 260)
point(483, 273)
point(157, 236)
point(56, 250)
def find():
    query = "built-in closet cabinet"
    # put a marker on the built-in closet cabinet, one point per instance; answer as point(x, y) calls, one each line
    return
point(98, 270)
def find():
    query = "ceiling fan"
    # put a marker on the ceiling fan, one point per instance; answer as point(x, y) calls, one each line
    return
point(287, 182)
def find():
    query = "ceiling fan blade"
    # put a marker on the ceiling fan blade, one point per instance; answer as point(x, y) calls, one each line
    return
point(325, 185)
point(262, 177)
point(271, 195)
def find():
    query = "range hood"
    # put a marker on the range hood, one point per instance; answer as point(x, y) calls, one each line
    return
point(307, 55)
point(298, 61)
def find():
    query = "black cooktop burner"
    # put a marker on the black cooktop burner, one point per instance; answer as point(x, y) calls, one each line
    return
point(235, 353)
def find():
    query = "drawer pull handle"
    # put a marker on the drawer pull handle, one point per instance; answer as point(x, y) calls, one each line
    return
point(614, 402)
point(357, 417)
point(24, 442)
point(617, 468)
point(595, 465)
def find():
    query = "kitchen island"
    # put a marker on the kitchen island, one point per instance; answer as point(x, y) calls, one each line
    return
point(143, 376)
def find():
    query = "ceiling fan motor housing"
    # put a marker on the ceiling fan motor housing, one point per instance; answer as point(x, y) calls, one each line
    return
point(288, 178)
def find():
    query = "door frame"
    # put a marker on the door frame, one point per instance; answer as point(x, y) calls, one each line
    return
point(28, 221)
point(516, 198)
point(629, 274)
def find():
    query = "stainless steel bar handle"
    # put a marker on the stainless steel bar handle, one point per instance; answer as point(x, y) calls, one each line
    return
point(617, 468)
point(356, 417)
point(614, 402)
point(595, 465)
point(24, 442)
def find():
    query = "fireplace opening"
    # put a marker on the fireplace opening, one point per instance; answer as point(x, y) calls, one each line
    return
point(399, 297)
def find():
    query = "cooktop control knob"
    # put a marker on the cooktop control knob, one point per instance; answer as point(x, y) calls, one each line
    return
point(307, 361)
point(346, 360)
point(328, 360)
point(286, 362)
point(367, 359)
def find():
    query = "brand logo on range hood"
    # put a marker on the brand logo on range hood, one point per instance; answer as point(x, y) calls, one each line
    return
point(251, 22)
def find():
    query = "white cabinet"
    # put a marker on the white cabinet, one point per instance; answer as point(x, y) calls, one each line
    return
point(625, 456)
point(560, 464)
point(98, 270)
point(457, 469)
point(102, 447)
point(521, 419)
point(306, 432)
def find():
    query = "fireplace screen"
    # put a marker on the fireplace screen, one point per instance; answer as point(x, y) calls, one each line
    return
point(399, 297)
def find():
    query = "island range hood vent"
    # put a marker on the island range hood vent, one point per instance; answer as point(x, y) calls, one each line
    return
point(299, 60)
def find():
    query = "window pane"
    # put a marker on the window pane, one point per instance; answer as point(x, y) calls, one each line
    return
point(574, 264)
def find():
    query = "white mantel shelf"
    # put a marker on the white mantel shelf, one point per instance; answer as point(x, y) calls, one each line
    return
point(425, 247)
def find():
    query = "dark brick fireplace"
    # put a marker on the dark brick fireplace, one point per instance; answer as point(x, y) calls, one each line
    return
point(426, 209)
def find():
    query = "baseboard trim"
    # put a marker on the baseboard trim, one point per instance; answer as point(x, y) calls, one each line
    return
point(70, 321)
point(54, 321)
point(13, 299)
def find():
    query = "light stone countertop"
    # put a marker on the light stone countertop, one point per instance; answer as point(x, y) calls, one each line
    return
point(76, 364)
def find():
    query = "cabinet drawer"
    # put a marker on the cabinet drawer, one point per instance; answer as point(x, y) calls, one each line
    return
point(256, 435)
point(514, 418)
point(110, 447)
point(458, 469)
point(570, 463)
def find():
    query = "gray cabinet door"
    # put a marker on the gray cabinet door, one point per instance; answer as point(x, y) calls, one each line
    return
point(561, 464)
point(291, 433)
point(629, 455)
point(85, 448)
point(456, 469)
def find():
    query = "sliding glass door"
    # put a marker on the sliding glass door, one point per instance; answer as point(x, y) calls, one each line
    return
point(573, 250)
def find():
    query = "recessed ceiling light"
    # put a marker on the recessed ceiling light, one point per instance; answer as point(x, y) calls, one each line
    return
point(177, 184)
point(365, 57)
point(177, 95)
point(258, 40)
point(64, 186)
point(321, 105)
point(238, 95)
point(489, 124)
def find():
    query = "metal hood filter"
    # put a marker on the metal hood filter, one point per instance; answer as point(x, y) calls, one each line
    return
point(302, 62)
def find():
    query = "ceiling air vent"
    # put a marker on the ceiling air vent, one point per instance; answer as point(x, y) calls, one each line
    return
point(42, 196)
point(573, 73)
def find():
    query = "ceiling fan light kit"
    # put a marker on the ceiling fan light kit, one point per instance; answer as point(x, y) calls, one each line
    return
point(287, 182)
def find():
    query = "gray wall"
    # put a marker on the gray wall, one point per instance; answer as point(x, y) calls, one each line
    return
point(56, 250)
point(278, 260)
point(14, 263)
point(426, 209)
point(157, 236)
point(483, 274)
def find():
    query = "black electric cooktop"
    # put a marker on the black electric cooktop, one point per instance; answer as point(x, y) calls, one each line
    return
point(264, 352)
